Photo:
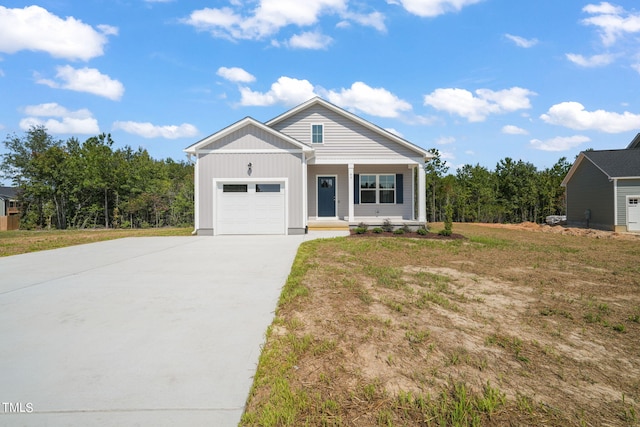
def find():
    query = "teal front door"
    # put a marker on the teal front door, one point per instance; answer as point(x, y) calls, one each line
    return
point(327, 196)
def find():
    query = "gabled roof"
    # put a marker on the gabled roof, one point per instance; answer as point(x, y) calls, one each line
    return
point(635, 143)
point(613, 163)
point(247, 121)
point(8, 192)
point(385, 133)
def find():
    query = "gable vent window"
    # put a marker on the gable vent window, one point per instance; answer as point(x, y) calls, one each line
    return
point(317, 134)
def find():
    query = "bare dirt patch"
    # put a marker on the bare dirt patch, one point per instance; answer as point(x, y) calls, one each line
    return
point(508, 327)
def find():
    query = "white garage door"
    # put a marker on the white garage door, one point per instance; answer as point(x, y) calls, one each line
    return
point(633, 213)
point(250, 208)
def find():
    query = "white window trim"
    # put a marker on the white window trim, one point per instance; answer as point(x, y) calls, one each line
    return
point(377, 188)
point(311, 130)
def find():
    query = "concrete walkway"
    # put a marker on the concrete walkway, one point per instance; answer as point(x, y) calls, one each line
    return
point(159, 331)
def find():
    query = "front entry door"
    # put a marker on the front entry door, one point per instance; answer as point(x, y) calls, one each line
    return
point(327, 196)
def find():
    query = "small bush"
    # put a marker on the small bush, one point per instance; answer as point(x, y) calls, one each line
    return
point(422, 231)
point(363, 225)
point(406, 228)
point(386, 226)
point(360, 230)
point(399, 231)
point(377, 230)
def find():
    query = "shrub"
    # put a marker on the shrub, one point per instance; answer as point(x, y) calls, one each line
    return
point(386, 226)
point(422, 231)
point(448, 221)
point(377, 230)
point(406, 228)
point(360, 230)
point(399, 231)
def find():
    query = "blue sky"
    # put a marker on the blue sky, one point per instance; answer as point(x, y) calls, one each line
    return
point(480, 80)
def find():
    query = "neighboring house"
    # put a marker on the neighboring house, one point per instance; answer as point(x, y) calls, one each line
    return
point(314, 163)
point(9, 209)
point(603, 189)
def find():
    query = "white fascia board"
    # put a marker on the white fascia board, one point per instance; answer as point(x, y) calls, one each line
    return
point(196, 148)
point(366, 161)
point(375, 128)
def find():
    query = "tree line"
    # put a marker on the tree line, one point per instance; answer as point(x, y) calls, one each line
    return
point(73, 184)
point(515, 191)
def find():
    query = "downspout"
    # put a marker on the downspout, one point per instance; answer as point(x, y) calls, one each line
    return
point(615, 203)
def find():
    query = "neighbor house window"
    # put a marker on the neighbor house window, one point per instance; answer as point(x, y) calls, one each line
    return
point(378, 189)
point(317, 134)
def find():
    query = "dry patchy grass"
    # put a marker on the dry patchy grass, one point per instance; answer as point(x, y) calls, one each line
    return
point(508, 327)
point(19, 242)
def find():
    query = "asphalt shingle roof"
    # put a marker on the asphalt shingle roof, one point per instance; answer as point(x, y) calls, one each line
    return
point(616, 163)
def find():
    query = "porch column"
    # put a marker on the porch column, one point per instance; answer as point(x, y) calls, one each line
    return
point(422, 194)
point(305, 194)
point(351, 190)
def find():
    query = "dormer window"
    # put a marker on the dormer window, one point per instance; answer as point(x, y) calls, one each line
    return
point(317, 133)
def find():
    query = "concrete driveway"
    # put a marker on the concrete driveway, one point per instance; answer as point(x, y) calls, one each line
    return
point(159, 331)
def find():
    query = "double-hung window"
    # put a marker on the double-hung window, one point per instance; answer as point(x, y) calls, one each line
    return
point(378, 189)
point(317, 133)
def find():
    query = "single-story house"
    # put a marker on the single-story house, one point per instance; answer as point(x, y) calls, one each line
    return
point(316, 163)
point(9, 209)
point(603, 189)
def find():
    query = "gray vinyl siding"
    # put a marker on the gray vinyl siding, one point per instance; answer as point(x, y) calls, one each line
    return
point(589, 188)
point(626, 187)
point(271, 165)
point(343, 138)
point(249, 138)
point(404, 210)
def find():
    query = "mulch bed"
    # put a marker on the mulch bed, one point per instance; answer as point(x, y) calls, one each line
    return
point(410, 235)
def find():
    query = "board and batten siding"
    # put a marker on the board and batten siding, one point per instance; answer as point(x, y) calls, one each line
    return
point(249, 138)
point(343, 138)
point(264, 165)
point(589, 188)
point(382, 211)
point(626, 187)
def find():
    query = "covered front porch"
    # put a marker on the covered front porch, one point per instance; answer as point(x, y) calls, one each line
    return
point(341, 196)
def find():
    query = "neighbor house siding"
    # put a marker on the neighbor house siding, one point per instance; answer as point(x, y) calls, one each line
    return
point(343, 138)
point(249, 138)
point(590, 188)
point(626, 187)
point(264, 165)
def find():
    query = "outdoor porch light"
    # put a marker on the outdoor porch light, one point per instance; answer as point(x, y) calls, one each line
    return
point(249, 166)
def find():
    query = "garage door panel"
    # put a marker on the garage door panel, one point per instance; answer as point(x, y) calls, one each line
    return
point(251, 212)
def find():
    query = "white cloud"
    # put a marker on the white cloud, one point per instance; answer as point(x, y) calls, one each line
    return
point(514, 130)
point(444, 140)
point(87, 80)
point(286, 91)
point(593, 61)
point(236, 74)
point(309, 40)
point(432, 8)
point(574, 116)
point(34, 28)
point(478, 108)
point(148, 130)
point(265, 20)
point(374, 101)
point(373, 19)
point(67, 122)
point(560, 143)
point(521, 41)
point(612, 21)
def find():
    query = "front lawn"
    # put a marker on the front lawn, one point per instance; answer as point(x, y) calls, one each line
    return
point(505, 327)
